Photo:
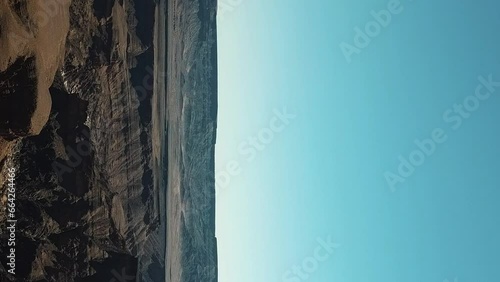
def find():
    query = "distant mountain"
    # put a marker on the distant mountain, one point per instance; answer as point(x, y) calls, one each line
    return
point(108, 113)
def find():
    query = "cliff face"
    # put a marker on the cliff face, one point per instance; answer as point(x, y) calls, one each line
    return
point(108, 112)
point(32, 41)
point(76, 123)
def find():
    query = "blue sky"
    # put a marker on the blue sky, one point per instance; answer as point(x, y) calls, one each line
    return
point(322, 174)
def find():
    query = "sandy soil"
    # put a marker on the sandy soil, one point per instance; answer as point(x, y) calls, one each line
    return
point(37, 29)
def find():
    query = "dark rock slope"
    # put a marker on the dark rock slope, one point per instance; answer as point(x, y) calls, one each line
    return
point(108, 112)
point(85, 196)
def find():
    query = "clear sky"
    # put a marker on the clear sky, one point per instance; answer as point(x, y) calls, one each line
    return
point(286, 180)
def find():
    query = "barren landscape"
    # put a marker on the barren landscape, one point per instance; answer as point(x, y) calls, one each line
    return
point(108, 114)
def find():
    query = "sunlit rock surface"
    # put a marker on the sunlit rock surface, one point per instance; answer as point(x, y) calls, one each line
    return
point(108, 111)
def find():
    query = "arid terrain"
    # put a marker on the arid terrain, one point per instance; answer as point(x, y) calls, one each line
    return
point(108, 114)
